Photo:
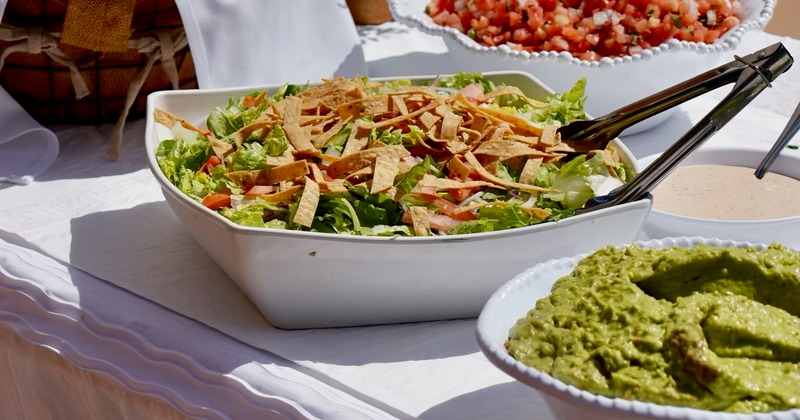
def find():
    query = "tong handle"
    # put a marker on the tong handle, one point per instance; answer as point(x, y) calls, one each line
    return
point(792, 127)
point(753, 79)
point(609, 126)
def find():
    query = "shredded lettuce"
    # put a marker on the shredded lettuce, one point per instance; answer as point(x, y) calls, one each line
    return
point(358, 212)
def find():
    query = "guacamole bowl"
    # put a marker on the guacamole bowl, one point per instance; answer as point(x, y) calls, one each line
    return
point(308, 279)
point(714, 193)
point(634, 369)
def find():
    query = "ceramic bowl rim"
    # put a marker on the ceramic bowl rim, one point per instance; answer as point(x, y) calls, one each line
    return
point(658, 213)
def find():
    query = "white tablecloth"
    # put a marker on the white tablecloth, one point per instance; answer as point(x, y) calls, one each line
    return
point(94, 264)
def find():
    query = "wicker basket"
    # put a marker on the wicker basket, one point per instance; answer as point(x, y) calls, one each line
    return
point(61, 83)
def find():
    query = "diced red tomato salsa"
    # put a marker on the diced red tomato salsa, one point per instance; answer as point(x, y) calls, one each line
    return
point(588, 29)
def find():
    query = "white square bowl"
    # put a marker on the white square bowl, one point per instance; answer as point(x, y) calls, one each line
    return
point(315, 280)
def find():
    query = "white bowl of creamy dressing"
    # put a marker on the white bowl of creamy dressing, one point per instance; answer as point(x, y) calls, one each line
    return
point(714, 193)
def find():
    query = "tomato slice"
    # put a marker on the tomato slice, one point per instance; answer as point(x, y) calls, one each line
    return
point(249, 101)
point(216, 201)
point(212, 161)
point(257, 190)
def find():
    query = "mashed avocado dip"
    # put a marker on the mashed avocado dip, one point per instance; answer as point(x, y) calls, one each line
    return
point(706, 327)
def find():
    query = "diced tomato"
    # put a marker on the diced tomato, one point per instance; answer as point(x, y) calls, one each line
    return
point(212, 161)
point(216, 201)
point(461, 194)
point(428, 193)
point(438, 222)
point(441, 222)
point(473, 93)
point(249, 101)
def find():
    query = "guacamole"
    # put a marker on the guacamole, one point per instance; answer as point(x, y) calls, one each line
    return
point(707, 327)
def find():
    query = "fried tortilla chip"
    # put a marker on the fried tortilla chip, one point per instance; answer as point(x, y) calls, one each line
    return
point(472, 160)
point(450, 124)
point(358, 140)
point(326, 135)
point(284, 196)
point(528, 174)
point(392, 121)
point(386, 167)
point(169, 119)
point(358, 160)
point(399, 105)
point(299, 138)
point(550, 136)
point(447, 183)
point(515, 121)
point(457, 167)
point(307, 206)
point(420, 220)
point(336, 185)
point(270, 176)
point(505, 149)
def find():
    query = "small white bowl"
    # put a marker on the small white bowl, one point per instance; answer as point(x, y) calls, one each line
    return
point(611, 82)
point(661, 224)
point(514, 299)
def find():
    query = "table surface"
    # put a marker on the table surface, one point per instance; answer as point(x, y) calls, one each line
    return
point(74, 278)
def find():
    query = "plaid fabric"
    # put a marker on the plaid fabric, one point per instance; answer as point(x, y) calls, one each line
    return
point(44, 88)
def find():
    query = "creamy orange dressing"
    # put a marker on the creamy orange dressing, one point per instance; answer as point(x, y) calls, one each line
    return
point(727, 193)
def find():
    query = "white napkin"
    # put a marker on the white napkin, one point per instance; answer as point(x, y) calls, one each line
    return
point(26, 148)
point(259, 42)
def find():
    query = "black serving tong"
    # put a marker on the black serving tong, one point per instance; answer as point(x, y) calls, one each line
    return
point(751, 74)
point(792, 127)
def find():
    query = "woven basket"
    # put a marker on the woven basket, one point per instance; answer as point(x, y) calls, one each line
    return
point(45, 75)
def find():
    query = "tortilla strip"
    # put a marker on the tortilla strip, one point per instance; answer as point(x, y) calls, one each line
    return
point(550, 136)
point(360, 174)
point(535, 211)
point(399, 105)
point(359, 137)
point(307, 206)
point(420, 221)
point(518, 122)
point(531, 140)
point(291, 124)
point(508, 90)
point(457, 167)
point(505, 149)
point(456, 147)
point(336, 185)
point(358, 160)
point(428, 120)
point(386, 167)
point(480, 123)
point(472, 135)
point(450, 124)
point(447, 183)
point(244, 132)
point(286, 157)
point(497, 133)
point(528, 174)
point(316, 173)
point(560, 147)
point(401, 118)
point(270, 176)
point(169, 119)
point(284, 196)
point(315, 153)
point(472, 160)
point(323, 137)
